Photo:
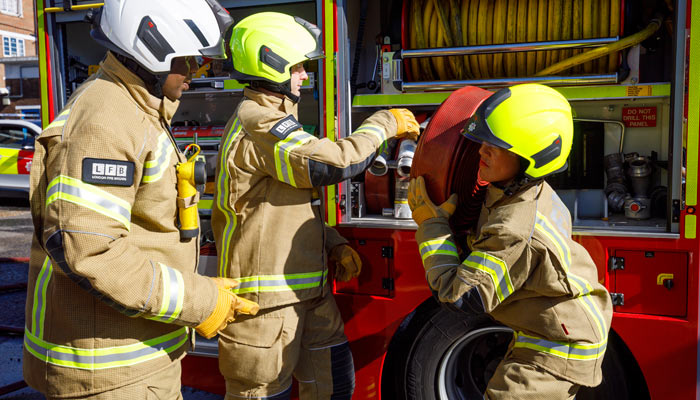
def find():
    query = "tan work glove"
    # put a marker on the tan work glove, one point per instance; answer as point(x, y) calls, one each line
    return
point(421, 205)
point(227, 305)
point(406, 124)
point(347, 262)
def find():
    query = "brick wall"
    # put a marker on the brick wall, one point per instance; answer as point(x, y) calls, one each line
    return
point(21, 27)
point(23, 24)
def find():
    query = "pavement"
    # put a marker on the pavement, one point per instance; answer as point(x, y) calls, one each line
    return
point(16, 233)
point(15, 228)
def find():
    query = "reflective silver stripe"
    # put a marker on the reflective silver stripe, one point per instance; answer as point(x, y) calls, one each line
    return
point(282, 149)
point(111, 357)
point(578, 351)
point(496, 268)
point(60, 120)
point(222, 197)
point(153, 169)
point(440, 247)
point(72, 190)
point(546, 228)
point(38, 308)
point(563, 248)
point(279, 283)
point(173, 294)
point(376, 131)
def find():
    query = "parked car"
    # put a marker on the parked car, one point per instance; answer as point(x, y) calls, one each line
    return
point(16, 151)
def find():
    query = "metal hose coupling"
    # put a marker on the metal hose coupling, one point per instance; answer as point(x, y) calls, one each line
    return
point(616, 191)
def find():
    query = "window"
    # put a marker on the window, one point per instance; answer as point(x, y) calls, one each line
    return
point(12, 47)
point(12, 7)
point(15, 137)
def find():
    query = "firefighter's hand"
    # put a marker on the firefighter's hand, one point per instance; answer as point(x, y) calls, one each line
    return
point(406, 124)
point(227, 305)
point(347, 262)
point(421, 205)
point(239, 305)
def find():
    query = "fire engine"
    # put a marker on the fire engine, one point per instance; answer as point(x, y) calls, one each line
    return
point(631, 71)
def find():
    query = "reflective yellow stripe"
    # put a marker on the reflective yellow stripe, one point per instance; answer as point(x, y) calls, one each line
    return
point(283, 148)
point(280, 283)
point(223, 193)
point(567, 350)
point(8, 161)
point(437, 247)
point(693, 132)
point(545, 227)
point(104, 358)
point(690, 226)
point(153, 169)
point(495, 268)
point(39, 306)
point(84, 194)
point(173, 294)
point(376, 131)
point(60, 120)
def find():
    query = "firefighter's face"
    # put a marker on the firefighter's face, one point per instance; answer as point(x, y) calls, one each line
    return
point(497, 165)
point(299, 75)
point(180, 76)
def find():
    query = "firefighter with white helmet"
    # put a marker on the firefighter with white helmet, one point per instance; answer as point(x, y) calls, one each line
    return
point(268, 218)
point(521, 265)
point(113, 295)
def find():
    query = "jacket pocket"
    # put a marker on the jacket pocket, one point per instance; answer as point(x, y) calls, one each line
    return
point(250, 350)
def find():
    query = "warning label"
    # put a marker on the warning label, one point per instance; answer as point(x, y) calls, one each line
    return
point(639, 117)
point(634, 91)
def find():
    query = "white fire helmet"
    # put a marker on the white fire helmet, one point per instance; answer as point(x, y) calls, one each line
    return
point(153, 32)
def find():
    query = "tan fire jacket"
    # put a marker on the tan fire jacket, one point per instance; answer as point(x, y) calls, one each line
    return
point(267, 216)
point(112, 290)
point(527, 273)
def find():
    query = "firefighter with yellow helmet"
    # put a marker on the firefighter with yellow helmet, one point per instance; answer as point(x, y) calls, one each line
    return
point(268, 218)
point(113, 293)
point(521, 265)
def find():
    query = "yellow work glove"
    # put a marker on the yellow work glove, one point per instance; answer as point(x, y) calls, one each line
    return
point(406, 124)
point(347, 262)
point(227, 305)
point(421, 205)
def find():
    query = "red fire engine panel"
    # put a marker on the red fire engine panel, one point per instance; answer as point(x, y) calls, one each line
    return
point(375, 278)
point(652, 282)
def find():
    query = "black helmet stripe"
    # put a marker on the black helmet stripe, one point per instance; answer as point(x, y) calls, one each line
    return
point(197, 32)
point(154, 41)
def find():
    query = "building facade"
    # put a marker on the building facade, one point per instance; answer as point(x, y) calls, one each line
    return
point(19, 70)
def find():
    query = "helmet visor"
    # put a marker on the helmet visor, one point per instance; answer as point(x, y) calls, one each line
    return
point(225, 22)
point(314, 30)
point(477, 127)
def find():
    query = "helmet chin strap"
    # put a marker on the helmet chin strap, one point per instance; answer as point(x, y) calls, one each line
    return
point(154, 83)
point(520, 179)
point(282, 88)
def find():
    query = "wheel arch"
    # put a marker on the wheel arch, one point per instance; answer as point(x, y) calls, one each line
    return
point(400, 346)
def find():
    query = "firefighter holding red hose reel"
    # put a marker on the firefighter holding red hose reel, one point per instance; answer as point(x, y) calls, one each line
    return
point(522, 266)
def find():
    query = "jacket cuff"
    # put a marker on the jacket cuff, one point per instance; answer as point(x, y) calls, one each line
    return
point(333, 239)
point(433, 228)
point(209, 327)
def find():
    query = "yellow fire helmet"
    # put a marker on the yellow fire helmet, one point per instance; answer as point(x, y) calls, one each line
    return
point(266, 45)
point(531, 120)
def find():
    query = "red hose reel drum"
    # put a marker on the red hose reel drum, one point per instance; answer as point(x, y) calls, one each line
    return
point(449, 162)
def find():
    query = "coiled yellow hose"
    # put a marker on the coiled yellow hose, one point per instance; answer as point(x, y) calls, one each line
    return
point(455, 23)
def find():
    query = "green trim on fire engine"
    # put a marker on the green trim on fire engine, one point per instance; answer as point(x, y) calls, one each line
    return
point(691, 188)
point(43, 58)
point(329, 107)
point(571, 93)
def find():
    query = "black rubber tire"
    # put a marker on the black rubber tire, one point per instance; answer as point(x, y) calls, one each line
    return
point(440, 353)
